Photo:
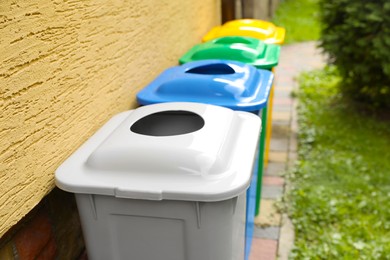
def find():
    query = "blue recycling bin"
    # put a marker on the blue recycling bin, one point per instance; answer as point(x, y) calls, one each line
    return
point(230, 84)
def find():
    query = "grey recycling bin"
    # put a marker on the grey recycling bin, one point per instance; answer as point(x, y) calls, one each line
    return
point(165, 181)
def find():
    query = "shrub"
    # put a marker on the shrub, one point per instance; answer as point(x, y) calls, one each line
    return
point(356, 36)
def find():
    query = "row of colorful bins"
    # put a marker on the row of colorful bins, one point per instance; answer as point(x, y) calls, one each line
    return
point(214, 73)
point(233, 69)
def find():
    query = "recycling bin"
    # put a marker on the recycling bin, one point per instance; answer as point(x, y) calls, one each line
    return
point(259, 29)
point(244, 49)
point(224, 83)
point(251, 51)
point(165, 181)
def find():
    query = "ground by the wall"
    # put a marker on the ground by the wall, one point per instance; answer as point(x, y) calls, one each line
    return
point(68, 66)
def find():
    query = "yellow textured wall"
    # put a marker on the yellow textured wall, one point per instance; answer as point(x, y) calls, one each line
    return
point(66, 67)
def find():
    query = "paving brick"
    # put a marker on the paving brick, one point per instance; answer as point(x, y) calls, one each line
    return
point(269, 215)
point(277, 157)
point(292, 156)
point(292, 159)
point(282, 93)
point(281, 116)
point(283, 124)
point(32, 239)
point(283, 101)
point(284, 85)
point(275, 169)
point(286, 240)
point(282, 75)
point(280, 130)
point(271, 192)
point(279, 144)
point(273, 181)
point(267, 232)
point(294, 118)
point(293, 142)
point(263, 249)
point(49, 251)
point(6, 252)
point(281, 108)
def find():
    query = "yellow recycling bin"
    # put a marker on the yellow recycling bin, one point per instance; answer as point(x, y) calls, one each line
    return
point(259, 29)
point(262, 30)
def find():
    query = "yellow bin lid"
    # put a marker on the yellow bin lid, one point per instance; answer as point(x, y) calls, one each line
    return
point(262, 30)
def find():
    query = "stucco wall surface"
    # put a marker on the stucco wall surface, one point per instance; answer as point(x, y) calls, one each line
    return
point(69, 65)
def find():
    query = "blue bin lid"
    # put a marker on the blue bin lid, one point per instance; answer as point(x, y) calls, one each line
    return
point(224, 83)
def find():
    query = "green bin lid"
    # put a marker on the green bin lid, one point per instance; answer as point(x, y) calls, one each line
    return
point(244, 49)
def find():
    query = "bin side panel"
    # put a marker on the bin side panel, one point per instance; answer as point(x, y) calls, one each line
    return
point(117, 229)
point(141, 237)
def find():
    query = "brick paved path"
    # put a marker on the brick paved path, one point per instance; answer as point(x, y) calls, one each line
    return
point(274, 236)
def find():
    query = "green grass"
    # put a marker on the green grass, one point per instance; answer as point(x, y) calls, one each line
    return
point(300, 18)
point(340, 197)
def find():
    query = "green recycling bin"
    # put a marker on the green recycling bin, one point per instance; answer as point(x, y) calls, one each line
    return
point(244, 49)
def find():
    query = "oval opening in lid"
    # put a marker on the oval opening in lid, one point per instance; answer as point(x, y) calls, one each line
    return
point(168, 123)
point(212, 69)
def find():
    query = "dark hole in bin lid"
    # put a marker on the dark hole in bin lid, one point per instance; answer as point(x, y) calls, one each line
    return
point(212, 69)
point(168, 123)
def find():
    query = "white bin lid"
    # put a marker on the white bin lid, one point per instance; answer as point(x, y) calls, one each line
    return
point(176, 151)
